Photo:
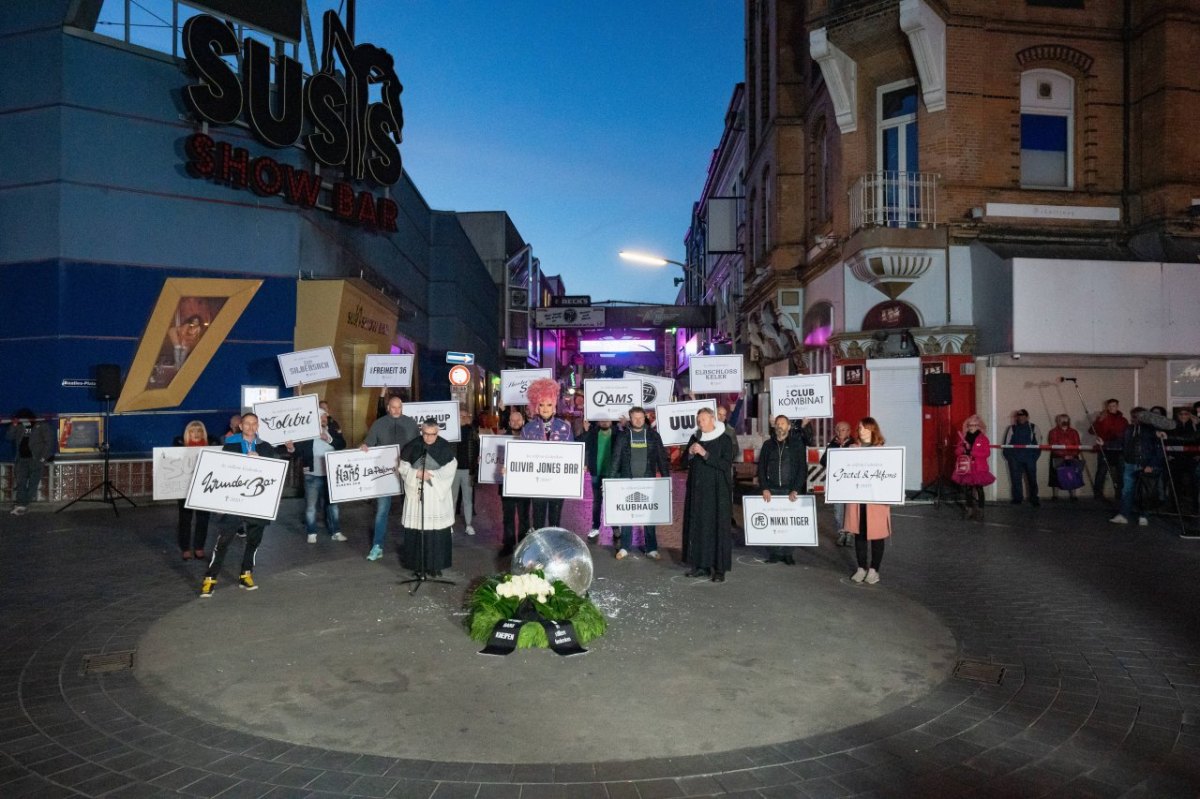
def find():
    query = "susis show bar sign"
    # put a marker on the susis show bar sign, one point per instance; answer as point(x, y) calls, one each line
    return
point(344, 129)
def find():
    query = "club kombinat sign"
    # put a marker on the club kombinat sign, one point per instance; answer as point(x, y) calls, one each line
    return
point(330, 112)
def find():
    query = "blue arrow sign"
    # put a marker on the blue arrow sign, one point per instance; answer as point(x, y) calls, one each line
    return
point(460, 357)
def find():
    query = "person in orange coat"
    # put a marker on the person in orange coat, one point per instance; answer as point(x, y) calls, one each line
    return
point(868, 522)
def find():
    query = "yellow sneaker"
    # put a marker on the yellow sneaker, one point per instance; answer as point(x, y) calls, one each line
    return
point(206, 588)
point(247, 581)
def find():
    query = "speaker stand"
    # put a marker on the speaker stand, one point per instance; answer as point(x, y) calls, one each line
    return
point(108, 492)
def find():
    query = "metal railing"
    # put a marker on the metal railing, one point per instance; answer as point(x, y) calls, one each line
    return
point(894, 199)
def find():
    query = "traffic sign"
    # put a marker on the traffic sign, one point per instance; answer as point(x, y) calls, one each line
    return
point(460, 357)
point(459, 375)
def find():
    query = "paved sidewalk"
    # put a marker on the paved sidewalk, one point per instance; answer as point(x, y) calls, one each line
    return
point(1096, 627)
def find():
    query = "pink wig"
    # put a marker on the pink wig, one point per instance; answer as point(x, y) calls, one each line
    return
point(544, 389)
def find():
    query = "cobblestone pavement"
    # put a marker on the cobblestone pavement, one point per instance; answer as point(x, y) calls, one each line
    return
point(1095, 625)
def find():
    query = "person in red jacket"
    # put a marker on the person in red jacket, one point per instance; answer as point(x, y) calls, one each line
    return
point(971, 464)
point(1109, 429)
point(1062, 435)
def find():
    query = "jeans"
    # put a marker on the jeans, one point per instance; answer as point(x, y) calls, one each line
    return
point(597, 500)
point(316, 491)
point(1131, 472)
point(623, 537)
point(383, 506)
point(1110, 460)
point(462, 483)
point(27, 473)
point(1018, 469)
point(839, 516)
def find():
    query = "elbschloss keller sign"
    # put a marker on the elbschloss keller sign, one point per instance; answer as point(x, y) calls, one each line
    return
point(330, 113)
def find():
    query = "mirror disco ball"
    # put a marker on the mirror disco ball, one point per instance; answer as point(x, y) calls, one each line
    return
point(559, 553)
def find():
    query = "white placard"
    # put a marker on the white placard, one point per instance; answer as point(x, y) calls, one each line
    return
point(388, 371)
point(241, 485)
point(655, 389)
point(802, 397)
point(354, 474)
point(639, 501)
point(608, 399)
point(173, 467)
point(676, 421)
point(289, 419)
point(715, 374)
point(308, 366)
point(780, 522)
point(865, 474)
point(569, 317)
point(514, 384)
point(491, 458)
point(444, 413)
point(544, 469)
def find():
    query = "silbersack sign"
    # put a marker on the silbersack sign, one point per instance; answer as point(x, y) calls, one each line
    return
point(330, 113)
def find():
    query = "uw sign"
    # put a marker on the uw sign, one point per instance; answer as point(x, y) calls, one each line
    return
point(344, 129)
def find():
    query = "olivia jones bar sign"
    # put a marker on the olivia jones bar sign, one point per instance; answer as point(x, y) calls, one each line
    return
point(330, 113)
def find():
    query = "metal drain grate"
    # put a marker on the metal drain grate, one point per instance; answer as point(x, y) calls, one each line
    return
point(979, 672)
point(108, 662)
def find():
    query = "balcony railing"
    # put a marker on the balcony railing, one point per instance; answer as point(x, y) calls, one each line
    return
point(894, 199)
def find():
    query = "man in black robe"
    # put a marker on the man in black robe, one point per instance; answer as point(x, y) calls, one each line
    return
point(708, 505)
point(427, 467)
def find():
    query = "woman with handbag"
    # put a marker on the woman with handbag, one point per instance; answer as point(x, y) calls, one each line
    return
point(1066, 470)
point(971, 465)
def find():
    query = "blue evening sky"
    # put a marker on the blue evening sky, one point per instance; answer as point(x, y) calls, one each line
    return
point(591, 124)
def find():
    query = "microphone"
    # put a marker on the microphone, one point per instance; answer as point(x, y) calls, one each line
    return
point(1068, 380)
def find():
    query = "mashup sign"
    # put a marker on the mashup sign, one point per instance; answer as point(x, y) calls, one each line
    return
point(289, 419)
point(388, 371)
point(241, 485)
point(354, 474)
point(444, 413)
point(802, 397)
point(780, 522)
point(544, 469)
point(865, 474)
point(514, 384)
point(676, 421)
point(346, 131)
point(609, 400)
point(640, 501)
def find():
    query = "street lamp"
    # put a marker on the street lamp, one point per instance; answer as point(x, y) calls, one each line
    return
point(655, 260)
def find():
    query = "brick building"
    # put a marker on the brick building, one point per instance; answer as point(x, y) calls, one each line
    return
point(1004, 193)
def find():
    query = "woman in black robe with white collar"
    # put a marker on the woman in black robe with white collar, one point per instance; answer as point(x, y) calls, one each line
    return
point(708, 505)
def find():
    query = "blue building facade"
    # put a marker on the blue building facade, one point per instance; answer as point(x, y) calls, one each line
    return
point(98, 209)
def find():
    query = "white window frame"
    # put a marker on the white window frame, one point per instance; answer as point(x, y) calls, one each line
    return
point(895, 122)
point(1032, 75)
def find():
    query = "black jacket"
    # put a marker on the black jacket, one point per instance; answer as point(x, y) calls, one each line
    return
point(467, 452)
point(620, 462)
point(304, 449)
point(783, 465)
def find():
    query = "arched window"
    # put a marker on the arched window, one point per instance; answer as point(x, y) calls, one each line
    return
point(891, 315)
point(1047, 130)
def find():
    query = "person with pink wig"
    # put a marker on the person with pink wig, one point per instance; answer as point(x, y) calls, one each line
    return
point(545, 425)
point(971, 464)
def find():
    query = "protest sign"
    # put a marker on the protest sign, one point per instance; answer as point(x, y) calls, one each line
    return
point(780, 522)
point(241, 485)
point(491, 458)
point(514, 383)
point(388, 371)
point(544, 469)
point(676, 421)
point(354, 474)
point(172, 470)
point(638, 501)
point(609, 400)
point(802, 397)
point(654, 389)
point(715, 374)
point(308, 366)
point(865, 474)
point(444, 413)
point(289, 419)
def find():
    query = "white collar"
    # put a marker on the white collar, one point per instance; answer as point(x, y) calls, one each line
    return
point(717, 432)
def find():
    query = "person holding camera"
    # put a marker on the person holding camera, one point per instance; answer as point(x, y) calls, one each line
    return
point(34, 445)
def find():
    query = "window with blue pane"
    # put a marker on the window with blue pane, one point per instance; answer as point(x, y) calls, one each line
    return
point(1047, 118)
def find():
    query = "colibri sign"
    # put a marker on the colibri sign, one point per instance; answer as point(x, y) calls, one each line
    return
point(330, 113)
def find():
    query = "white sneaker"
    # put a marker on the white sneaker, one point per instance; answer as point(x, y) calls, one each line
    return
point(1119, 519)
point(338, 537)
point(653, 554)
point(312, 538)
point(470, 530)
point(872, 577)
point(593, 535)
point(859, 575)
point(1143, 521)
point(19, 510)
point(622, 554)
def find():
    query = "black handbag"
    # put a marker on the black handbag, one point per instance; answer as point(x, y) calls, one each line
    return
point(1145, 491)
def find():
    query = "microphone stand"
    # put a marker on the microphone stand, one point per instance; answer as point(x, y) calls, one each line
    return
point(419, 577)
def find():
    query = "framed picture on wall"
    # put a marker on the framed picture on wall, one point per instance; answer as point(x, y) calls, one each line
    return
point(854, 375)
point(80, 433)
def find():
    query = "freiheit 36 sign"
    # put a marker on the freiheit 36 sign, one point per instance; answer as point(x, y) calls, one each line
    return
point(345, 129)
